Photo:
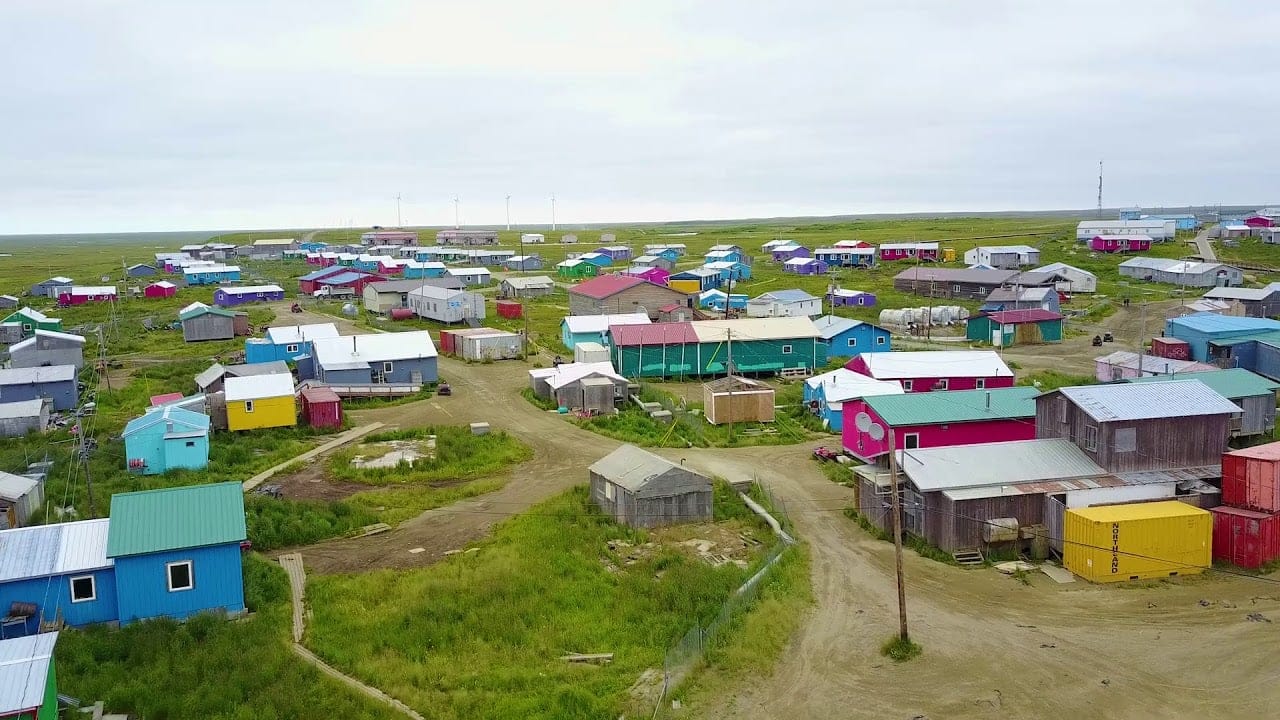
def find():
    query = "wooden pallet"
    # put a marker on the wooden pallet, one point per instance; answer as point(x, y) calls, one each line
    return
point(969, 557)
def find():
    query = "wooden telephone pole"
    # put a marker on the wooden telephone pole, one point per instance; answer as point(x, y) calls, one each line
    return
point(896, 509)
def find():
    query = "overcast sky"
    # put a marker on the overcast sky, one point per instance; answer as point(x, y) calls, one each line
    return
point(122, 115)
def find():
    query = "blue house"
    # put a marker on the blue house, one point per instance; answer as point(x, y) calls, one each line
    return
point(392, 358)
point(716, 299)
point(312, 246)
point(55, 382)
point(286, 343)
point(668, 254)
point(846, 337)
point(1027, 298)
point(1134, 213)
point(62, 569)
point(1204, 329)
point(730, 270)
point(166, 438)
point(826, 394)
point(416, 269)
point(177, 551)
point(1180, 221)
point(734, 254)
point(846, 256)
point(600, 260)
point(211, 274)
point(595, 328)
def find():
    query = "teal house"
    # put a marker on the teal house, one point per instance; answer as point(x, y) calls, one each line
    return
point(166, 438)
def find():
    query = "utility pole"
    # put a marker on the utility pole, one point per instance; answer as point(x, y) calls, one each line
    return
point(553, 212)
point(508, 212)
point(728, 336)
point(1099, 188)
point(399, 221)
point(896, 508)
point(524, 301)
point(1142, 337)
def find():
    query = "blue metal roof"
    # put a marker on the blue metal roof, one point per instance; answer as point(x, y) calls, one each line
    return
point(345, 277)
point(830, 326)
point(188, 419)
point(1212, 323)
point(789, 295)
point(323, 272)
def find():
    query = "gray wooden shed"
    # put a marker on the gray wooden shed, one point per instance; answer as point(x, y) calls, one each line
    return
point(24, 416)
point(640, 489)
point(19, 497)
point(47, 347)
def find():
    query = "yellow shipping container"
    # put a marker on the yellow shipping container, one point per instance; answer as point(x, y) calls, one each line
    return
point(1115, 543)
point(948, 254)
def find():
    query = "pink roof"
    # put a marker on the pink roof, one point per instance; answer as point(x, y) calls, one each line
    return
point(158, 400)
point(605, 285)
point(1270, 451)
point(320, 394)
point(1013, 317)
point(674, 333)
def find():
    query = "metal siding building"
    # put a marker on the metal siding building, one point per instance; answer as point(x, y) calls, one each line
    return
point(260, 401)
point(47, 347)
point(201, 322)
point(31, 320)
point(532, 286)
point(57, 383)
point(37, 564)
point(595, 328)
point(385, 358)
point(1201, 329)
point(973, 284)
point(637, 488)
point(286, 342)
point(165, 439)
point(845, 337)
point(1255, 394)
point(623, 294)
point(678, 349)
point(1181, 272)
point(1015, 327)
point(446, 306)
point(19, 418)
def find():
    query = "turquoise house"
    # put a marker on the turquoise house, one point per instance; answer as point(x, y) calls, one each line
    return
point(416, 269)
point(166, 438)
point(600, 260)
point(730, 270)
point(669, 254)
point(211, 274)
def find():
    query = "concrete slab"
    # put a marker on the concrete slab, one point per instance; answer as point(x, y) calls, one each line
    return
point(1057, 574)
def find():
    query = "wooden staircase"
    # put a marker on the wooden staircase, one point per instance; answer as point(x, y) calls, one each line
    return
point(969, 557)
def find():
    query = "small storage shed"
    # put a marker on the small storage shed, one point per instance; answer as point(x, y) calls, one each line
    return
point(737, 399)
point(161, 289)
point(1171, 348)
point(28, 678)
point(637, 488)
point(509, 309)
point(1245, 538)
point(19, 418)
point(1015, 327)
point(166, 438)
point(201, 322)
point(590, 352)
point(321, 408)
point(20, 496)
point(492, 345)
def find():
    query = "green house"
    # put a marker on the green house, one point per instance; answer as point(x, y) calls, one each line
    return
point(1015, 327)
point(576, 269)
point(28, 683)
point(33, 320)
point(680, 349)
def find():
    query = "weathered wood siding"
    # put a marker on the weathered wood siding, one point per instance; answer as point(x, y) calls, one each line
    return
point(208, 327)
point(1159, 444)
point(648, 296)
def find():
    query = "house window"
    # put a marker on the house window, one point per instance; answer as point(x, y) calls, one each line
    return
point(955, 289)
point(191, 443)
point(83, 589)
point(26, 327)
point(981, 384)
point(941, 384)
point(1064, 411)
point(786, 349)
point(179, 576)
point(608, 491)
point(248, 406)
point(853, 342)
point(911, 441)
point(880, 340)
point(906, 385)
point(1090, 437)
point(292, 347)
point(386, 366)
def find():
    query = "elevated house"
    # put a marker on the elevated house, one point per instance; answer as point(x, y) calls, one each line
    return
point(1124, 364)
point(526, 286)
point(717, 300)
point(211, 274)
point(804, 266)
point(600, 260)
point(637, 488)
point(307, 284)
point(928, 371)
point(658, 248)
point(1015, 327)
point(655, 275)
point(1181, 221)
point(1125, 427)
point(445, 305)
point(726, 253)
point(595, 328)
point(838, 256)
point(382, 358)
point(47, 347)
point(1181, 272)
point(730, 270)
point(1022, 298)
point(1255, 395)
point(288, 342)
point(1263, 302)
point(272, 247)
point(260, 401)
point(924, 251)
point(846, 337)
point(622, 294)
point(471, 276)
point(383, 297)
point(616, 253)
point(63, 570)
point(81, 294)
point(166, 438)
point(783, 253)
point(394, 238)
point(784, 303)
point(1005, 257)
point(1070, 279)
point(964, 283)
point(24, 321)
point(1120, 243)
point(201, 322)
point(775, 243)
point(160, 289)
point(844, 297)
point(826, 394)
point(355, 281)
point(876, 425)
point(53, 287)
point(233, 296)
point(1236, 230)
point(655, 261)
point(1259, 220)
point(576, 268)
point(57, 383)
point(779, 345)
point(695, 280)
point(414, 269)
point(1157, 229)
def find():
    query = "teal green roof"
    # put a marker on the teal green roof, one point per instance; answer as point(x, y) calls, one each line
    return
point(932, 408)
point(1271, 337)
point(152, 521)
point(1230, 384)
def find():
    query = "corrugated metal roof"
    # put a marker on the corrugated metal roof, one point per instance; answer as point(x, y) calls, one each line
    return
point(830, 326)
point(909, 246)
point(601, 323)
point(1270, 451)
point(252, 289)
point(24, 672)
point(1231, 384)
point(1060, 267)
point(695, 273)
point(633, 468)
point(350, 276)
point(1171, 266)
point(733, 383)
point(935, 364)
point(789, 296)
point(1138, 511)
point(1014, 317)
point(933, 408)
point(1153, 363)
point(197, 309)
point(437, 293)
point(668, 333)
point(602, 287)
point(289, 334)
point(1030, 294)
point(841, 385)
point(1146, 401)
point(20, 409)
point(1002, 463)
point(258, 387)
point(37, 375)
point(183, 517)
point(571, 372)
point(532, 281)
point(13, 486)
point(183, 420)
point(377, 347)
point(58, 549)
point(744, 329)
point(324, 272)
point(1240, 293)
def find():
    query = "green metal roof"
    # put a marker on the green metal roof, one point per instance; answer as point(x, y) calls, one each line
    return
point(206, 310)
point(932, 408)
point(1230, 384)
point(183, 517)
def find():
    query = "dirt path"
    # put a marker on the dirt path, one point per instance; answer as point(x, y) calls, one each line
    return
point(992, 646)
point(1204, 248)
point(292, 564)
point(339, 441)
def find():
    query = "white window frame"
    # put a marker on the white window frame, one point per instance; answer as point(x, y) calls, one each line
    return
point(786, 349)
point(880, 340)
point(387, 366)
point(908, 438)
point(191, 575)
point(93, 587)
point(853, 342)
point(943, 384)
point(291, 347)
point(248, 406)
point(1089, 437)
point(980, 384)
point(955, 288)
point(608, 491)
point(907, 385)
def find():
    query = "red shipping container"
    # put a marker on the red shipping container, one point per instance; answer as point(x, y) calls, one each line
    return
point(510, 309)
point(1245, 538)
point(1171, 348)
point(446, 342)
point(1251, 478)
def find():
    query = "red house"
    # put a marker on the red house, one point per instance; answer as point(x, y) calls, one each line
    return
point(1261, 221)
point(161, 289)
point(927, 420)
point(321, 407)
point(307, 283)
point(390, 266)
point(941, 370)
point(349, 279)
point(927, 251)
point(1120, 243)
point(81, 294)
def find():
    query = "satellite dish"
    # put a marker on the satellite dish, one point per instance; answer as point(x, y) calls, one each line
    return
point(106, 278)
point(862, 421)
point(876, 432)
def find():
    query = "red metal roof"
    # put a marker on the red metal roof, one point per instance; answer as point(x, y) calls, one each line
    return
point(669, 308)
point(1270, 451)
point(1013, 317)
point(675, 333)
point(320, 395)
point(158, 400)
point(603, 286)
point(1242, 512)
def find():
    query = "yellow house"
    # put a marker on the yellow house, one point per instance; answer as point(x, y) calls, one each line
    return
point(260, 401)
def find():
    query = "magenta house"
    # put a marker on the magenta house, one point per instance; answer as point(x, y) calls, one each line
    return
point(786, 252)
point(941, 370)
point(655, 275)
point(232, 296)
point(81, 294)
point(926, 251)
point(927, 420)
point(1120, 243)
point(1261, 221)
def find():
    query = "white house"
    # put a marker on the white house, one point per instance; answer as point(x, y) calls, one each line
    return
point(784, 303)
point(1158, 228)
point(1004, 257)
point(1075, 280)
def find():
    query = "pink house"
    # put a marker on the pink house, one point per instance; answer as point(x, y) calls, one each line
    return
point(1261, 221)
point(390, 266)
point(161, 289)
point(1120, 243)
point(941, 370)
point(80, 294)
point(928, 420)
point(927, 251)
point(655, 275)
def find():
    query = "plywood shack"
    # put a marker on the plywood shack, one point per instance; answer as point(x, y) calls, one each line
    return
point(737, 399)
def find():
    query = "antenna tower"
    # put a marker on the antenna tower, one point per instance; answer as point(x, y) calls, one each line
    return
point(1099, 188)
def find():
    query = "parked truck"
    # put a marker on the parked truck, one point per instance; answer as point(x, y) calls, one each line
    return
point(329, 291)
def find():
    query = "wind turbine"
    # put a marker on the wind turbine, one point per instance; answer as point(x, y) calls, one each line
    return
point(456, 224)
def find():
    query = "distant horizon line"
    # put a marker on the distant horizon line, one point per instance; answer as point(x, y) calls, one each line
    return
point(779, 219)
